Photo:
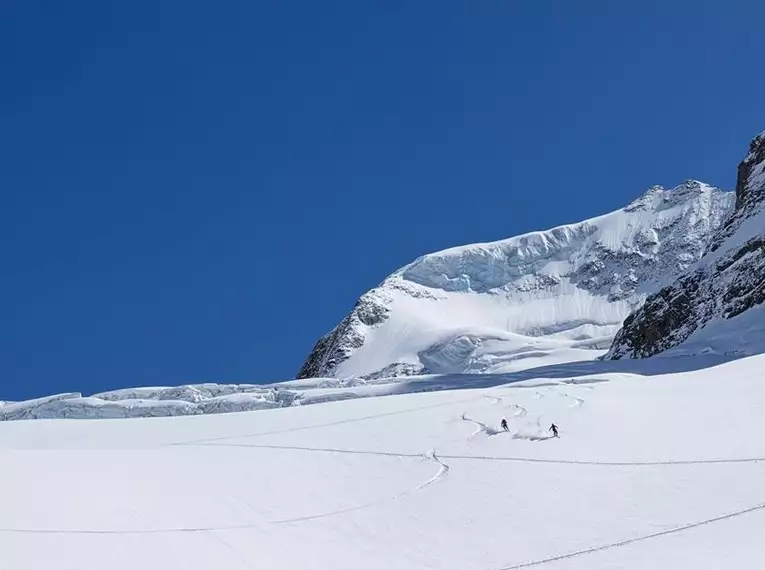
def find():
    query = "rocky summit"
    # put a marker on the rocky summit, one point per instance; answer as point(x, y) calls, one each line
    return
point(717, 305)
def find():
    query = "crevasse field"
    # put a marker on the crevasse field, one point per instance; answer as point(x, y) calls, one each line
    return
point(660, 467)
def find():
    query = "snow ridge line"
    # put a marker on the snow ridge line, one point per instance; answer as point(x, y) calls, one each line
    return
point(326, 424)
point(491, 457)
point(628, 541)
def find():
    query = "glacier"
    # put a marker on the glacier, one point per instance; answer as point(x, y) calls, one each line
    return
point(506, 306)
point(186, 400)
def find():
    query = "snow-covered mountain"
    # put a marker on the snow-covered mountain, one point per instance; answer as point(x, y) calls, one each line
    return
point(685, 267)
point(502, 306)
point(717, 306)
point(429, 477)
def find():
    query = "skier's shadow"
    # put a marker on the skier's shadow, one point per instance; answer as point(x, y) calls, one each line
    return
point(533, 437)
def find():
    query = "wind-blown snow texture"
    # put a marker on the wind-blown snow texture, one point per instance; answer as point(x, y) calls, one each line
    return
point(717, 306)
point(502, 306)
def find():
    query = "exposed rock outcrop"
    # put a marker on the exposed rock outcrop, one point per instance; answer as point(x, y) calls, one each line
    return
point(728, 281)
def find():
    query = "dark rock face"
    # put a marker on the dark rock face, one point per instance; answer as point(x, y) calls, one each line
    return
point(337, 346)
point(730, 279)
point(396, 370)
point(750, 191)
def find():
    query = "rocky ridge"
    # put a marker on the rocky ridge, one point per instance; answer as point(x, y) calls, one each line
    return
point(728, 280)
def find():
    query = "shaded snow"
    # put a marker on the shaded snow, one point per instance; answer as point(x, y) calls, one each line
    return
point(742, 335)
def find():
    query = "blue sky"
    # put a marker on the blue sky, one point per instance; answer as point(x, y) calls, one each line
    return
point(196, 191)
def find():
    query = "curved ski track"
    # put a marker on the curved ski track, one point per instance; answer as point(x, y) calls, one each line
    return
point(480, 427)
point(443, 470)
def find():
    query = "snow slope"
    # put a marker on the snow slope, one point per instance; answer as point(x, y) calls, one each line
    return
point(503, 306)
point(653, 469)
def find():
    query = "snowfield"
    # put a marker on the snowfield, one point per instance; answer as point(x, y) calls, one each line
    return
point(659, 465)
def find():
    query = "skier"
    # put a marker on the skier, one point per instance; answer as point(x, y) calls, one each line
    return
point(554, 430)
point(503, 424)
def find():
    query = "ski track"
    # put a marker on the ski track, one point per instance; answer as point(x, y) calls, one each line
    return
point(519, 410)
point(539, 395)
point(326, 424)
point(481, 427)
point(620, 543)
point(443, 470)
point(577, 401)
point(497, 400)
point(495, 458)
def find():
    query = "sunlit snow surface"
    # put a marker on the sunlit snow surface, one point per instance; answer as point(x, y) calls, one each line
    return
point(485, 307)
point(658, 466)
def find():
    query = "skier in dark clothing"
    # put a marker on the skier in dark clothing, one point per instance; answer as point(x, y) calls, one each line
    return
point(503, 424)
point(554, 430)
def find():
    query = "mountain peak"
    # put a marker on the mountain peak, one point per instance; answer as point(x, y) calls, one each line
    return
point(756, 146)
point(750, 183)
point(658, 197)
point(708, 307)
point(479, 307)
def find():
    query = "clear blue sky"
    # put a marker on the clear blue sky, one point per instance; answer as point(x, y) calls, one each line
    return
point(196, 191)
